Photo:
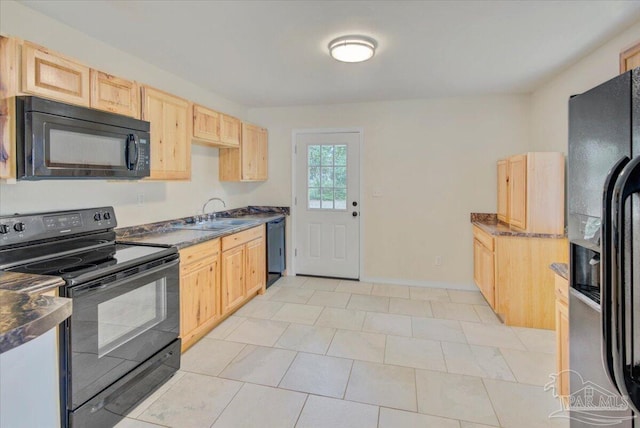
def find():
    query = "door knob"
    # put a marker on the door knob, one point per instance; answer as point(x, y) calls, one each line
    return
point(354, 203)
point(355, 214)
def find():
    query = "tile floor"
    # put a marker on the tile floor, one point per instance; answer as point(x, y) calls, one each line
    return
point(327, 353)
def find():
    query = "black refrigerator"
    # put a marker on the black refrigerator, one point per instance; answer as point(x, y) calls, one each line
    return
point(604, 234)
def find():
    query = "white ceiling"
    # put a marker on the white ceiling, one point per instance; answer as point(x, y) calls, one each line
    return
point(274, 53)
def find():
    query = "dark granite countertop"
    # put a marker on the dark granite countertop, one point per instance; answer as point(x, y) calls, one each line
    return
point(24, 313)
point(561, 269)
point(490, 224)
point(172, 232)
point(28, 283)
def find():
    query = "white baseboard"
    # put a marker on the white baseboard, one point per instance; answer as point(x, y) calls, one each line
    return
point(430, 284)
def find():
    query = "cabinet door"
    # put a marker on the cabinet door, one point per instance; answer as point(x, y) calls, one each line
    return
point(517, 199)
point(197, 295)
point(233, 285)
point(503, 194)
point(562, 346)
point(255, 270)
point(111, 93)
point(52, 76)
point(206, 125)
point(170, 146)
point(249, 151)
point(484, 271)
point(8, 89)
point(230, 130)
point(262, 155)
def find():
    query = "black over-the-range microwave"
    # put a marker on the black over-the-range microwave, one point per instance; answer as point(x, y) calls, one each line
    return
point(56, 141)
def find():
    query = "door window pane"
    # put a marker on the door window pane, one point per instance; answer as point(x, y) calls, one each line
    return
point(327, 176)
point(327, 198)
point(314, 197)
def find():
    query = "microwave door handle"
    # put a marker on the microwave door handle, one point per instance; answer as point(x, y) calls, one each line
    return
point(131, 151)
point(626, 185)
point(608, 337)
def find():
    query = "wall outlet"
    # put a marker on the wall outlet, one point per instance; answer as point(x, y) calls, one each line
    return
point(438, 261)
point(140, 198)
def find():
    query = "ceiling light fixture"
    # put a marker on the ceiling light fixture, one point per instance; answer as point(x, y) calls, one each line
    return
point(352, 48)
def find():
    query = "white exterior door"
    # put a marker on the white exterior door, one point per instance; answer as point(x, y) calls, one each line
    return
point(327, 210)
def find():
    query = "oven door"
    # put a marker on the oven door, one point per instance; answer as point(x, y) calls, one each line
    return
point(117, 323)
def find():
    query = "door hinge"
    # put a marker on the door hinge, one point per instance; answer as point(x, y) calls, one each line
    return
point(295, 200)
point(295, 149)
point(296, 252)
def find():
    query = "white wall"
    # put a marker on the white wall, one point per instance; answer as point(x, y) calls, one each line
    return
point(162, 199)
point(549, 103)
point(433, 160)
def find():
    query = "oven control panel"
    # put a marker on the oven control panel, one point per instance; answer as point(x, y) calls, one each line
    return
point(16, 229)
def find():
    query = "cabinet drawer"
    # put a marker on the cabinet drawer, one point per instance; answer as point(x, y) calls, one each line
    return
point(192, 254)
point(562, 289)
point(484, 238)
point(242, 237)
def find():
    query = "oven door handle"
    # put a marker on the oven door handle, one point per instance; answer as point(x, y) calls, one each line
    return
point(99, 285)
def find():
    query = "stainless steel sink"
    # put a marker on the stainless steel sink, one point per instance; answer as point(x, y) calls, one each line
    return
point(218, 224)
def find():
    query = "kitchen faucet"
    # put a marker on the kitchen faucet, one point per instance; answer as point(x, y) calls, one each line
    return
point(212, 199)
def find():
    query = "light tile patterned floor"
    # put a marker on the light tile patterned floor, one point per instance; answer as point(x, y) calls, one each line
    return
point(315, 353)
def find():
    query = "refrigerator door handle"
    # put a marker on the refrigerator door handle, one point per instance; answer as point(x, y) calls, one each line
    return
point(605, 268)
point(627, 184)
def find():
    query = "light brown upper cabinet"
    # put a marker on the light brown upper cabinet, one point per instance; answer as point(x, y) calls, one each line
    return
point(114, 94)
point(517, 188)
point(503, 189)
point(249, 162)
point(531, 192)
point(170, 145)
point(8, 89)
point(53, 76)
point(215, 129)
point(630, 58)
point(206, 126)
point(230, 128)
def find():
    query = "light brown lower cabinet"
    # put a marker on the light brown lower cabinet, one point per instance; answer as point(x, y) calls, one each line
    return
point(216, 278)
point(243, 267)
point(199, 291)
point(562, 334)
point(521, 288)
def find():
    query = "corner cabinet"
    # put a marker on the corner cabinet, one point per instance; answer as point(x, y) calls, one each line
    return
point(531, 192)
point(199, 291)
point(243, 267)
point(170, 145)
point(249, 162)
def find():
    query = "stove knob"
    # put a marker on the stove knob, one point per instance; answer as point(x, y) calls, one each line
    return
point(18, 227)
point(4, 229)
point(106, 216)
point(97, 216)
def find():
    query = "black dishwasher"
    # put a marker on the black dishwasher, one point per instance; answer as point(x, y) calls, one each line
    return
point(275, 250)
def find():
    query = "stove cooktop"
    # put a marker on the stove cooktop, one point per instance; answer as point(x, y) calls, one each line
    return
point(84, 266)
